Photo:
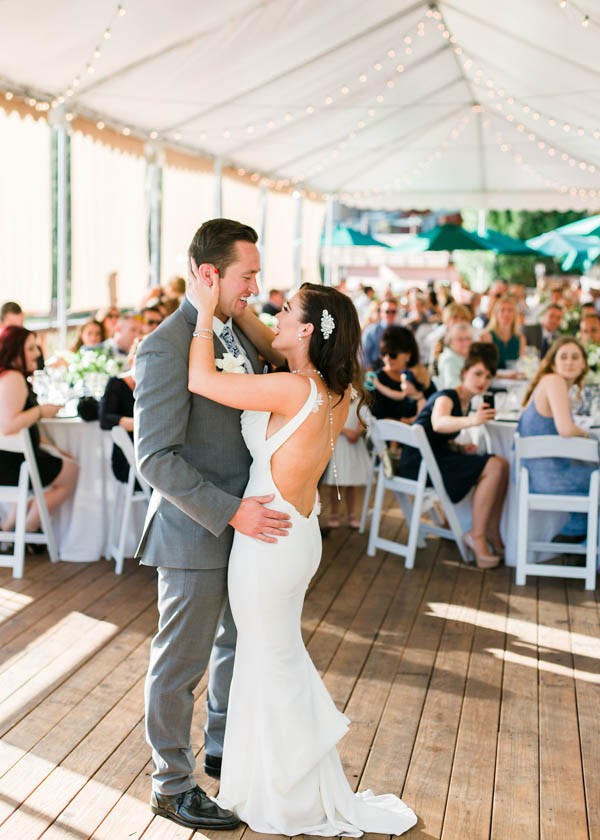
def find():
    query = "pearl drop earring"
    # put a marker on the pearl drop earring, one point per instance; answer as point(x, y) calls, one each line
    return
point(299, 336)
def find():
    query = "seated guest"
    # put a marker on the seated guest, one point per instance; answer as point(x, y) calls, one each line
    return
point(19, 410)
point(444, 416)
point(108, 318)
point(175, 289)
point(128, 328)
point(371, 337)
point(452, 358)
point(453, 313)
point(152, 318)
point(589, 329)
point(402, 384)
point(548, 412)
point(504, 330)
point(11, 314)
point(89, 337)
point(274, 303)
point(116, 409)
point(543, 335)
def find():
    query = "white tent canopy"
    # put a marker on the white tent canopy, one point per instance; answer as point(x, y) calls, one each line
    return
point(386, 103)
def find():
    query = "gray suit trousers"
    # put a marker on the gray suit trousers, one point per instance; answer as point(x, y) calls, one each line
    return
point(195, 619)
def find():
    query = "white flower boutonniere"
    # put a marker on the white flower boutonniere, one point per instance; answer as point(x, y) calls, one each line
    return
point(230, 364)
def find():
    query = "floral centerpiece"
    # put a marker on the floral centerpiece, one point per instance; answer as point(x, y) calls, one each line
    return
point(570, 321)
point(88, 371)
point(593, 357)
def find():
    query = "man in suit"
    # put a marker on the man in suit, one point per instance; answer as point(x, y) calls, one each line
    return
point(543, 335)
point(190, 450)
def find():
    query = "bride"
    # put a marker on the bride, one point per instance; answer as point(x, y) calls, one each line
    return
point(281, 772)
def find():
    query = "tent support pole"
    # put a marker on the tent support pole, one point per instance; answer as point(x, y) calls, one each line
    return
point(154, 204)
point(262, 229)
point(328, 254)
point(62, 163)
point(218, 175)
point(297, 196)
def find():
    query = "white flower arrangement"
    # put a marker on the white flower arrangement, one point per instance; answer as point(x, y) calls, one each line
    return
point(230, 364)
point(593, 357)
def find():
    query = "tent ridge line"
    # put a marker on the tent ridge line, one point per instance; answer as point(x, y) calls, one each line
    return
point(348, 42)
point(514, 37)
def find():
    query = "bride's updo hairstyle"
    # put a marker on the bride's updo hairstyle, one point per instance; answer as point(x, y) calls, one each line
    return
point(336, 356)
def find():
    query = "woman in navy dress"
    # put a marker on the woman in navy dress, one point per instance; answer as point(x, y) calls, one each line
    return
point(444, 416)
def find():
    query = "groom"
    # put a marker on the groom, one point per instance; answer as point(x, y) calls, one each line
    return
point(191, 451)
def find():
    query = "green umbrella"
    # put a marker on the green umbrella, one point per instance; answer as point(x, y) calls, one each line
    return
point(347, 236)
point(590, 226)
point(502, 243)
point(577, 252)
point(444, 238)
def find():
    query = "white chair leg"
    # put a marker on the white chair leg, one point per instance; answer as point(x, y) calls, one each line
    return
point(522, 536)
point(367, 498)
point(414, 527)
point(114, 519)
point(120, 555)
point(19, 543)
point(376, 514)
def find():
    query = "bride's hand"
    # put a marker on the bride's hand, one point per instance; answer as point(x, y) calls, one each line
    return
point(203, 286)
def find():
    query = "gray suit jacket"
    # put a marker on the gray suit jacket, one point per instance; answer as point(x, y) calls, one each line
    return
point(189, 449)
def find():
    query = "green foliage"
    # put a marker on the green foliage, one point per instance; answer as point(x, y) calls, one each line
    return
point(480, 269)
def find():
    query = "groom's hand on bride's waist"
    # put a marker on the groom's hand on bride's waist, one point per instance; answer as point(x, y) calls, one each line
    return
point(254, 519)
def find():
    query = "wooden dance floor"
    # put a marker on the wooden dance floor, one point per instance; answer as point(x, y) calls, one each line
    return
point(476, 700)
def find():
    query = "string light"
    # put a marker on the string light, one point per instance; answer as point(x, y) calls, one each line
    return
point(89, 65)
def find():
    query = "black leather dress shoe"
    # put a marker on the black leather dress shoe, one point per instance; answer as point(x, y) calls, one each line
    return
point(212, 765)
point(192, 809)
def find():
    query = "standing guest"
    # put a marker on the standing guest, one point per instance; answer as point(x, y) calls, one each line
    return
point(589, 329)
point(444, 416)
point(108, 318)
point(128, 328)
point(348, 469)
point(11, 314)
point(543, 335)
point(548, 412)
point(450, 363)
point(19, 410)
point(274, 303)
point(402, 384)
point(371, 337)
point(116, 409)
point(504, 331)
point(190, 450)
point(89, 336)
point(363, 302)
point(152, 318)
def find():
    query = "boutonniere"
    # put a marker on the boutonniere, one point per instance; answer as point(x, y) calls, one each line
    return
point(230, 364)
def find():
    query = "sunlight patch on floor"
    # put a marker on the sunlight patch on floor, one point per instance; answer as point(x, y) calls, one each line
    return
point(12, 602)
point(542, 665)
point(527, 631)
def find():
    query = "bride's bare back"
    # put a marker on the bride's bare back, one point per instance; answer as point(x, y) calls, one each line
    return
point(300, 462)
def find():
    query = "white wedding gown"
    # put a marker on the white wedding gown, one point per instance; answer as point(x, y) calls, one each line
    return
point(281, 772)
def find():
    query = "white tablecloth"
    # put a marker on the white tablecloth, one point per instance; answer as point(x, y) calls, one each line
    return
point(81, 524)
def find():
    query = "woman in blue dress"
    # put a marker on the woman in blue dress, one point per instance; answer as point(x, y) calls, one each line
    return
point(444, 416)
point(548, 412)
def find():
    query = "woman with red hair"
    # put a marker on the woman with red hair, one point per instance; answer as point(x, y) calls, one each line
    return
point(19, 410)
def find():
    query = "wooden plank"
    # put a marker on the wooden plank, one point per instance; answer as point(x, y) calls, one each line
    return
point(470, 796)
point(428, 775)
point(562, 794)
point(34, 726)
point(35, 766)
point(515, 814)
point(90, 630)
point(585, 646)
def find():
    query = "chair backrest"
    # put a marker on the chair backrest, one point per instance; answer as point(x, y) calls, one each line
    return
point(123, 441)
point(17, 442)
point(394, 430)
point(555, 446)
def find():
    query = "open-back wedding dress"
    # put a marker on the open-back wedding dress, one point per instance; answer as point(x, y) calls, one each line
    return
point(281, 771)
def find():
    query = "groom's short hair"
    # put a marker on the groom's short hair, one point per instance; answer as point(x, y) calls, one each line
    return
point(214, 242)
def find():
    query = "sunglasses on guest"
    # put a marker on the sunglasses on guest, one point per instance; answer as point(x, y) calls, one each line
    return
point(389, 311)
point(389, 354)
point(152, 322)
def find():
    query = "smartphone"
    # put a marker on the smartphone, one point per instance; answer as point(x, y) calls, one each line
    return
point(488, 398)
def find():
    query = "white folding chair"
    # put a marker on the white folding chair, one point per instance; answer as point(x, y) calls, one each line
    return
point(126, 495)
point(551, 446)
point(21, 495)
point(369, 420)
point(413, 496)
